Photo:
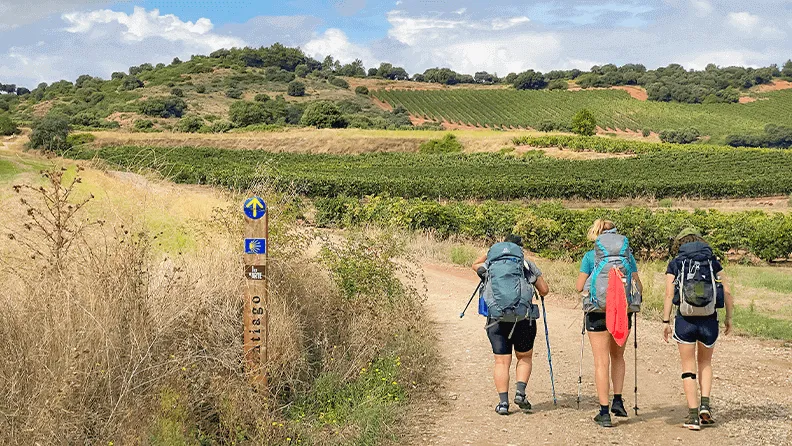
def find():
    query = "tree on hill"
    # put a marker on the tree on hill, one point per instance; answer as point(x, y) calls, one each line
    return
point(323, 114)
point(530, 80)
point(354, 69)
point(482, 77)
point(50, 133)
point(7, 126)
point(584, 123)
point(388, 71)
point(296, 88)
point(163, 106)
point(786, 71)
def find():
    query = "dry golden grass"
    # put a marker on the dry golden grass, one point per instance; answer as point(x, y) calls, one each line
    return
point(134, 336)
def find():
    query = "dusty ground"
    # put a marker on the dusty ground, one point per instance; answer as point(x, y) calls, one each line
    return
point(751, 394)
point(774, 86)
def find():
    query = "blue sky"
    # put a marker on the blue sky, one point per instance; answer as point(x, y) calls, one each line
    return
point(49, 40)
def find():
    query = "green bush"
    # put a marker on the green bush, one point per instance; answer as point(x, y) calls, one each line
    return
point(323, 114)
point(646, 132)
point(243, 113)
point(77, 139)
point(234, 93)
point(296, 88)
point(546, 126)
point(177, 92)
point(584, 123)
point(51, 133)
point(143, 124)
point(7, 126)
point(190, 124)
point(221, 127)
point(338, 82)
point(558, 84)
point(262, 97)
point(131, 83)
point(362, 89)
point(200, 89)
point(684, 136)
point(163, 106)
point(448, 144)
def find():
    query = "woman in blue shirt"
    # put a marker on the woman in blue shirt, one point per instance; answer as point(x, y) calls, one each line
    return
point(608, 356)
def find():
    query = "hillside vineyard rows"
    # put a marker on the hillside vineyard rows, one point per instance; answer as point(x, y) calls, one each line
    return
point(706, 173)
point(613, 109)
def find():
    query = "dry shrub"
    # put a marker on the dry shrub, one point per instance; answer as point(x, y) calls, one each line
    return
point(120, 342)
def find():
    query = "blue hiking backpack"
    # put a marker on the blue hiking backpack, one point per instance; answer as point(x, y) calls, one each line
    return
point(506, 294)
point(611, 250)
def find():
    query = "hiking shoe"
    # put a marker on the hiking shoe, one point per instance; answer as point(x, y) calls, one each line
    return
point(618, 408)
point(521, 401)
point(692, 423)
point(603, 420)
point(502, 409)
point(705, 415)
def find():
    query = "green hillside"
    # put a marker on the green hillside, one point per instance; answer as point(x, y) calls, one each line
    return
point(612, 108)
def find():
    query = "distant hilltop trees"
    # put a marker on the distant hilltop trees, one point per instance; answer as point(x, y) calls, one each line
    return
point(285, 64)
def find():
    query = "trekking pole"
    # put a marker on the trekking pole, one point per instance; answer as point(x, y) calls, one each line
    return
point(580, 374)
point(549, 356)
point(462, 314)
point(635, 345)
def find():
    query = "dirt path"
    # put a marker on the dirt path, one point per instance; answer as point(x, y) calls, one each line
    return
point(752, 394)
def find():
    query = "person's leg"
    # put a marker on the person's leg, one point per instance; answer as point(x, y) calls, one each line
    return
point(600, 347)
point(501, 375)
point(704, 360)
point(524, 366)
point(617, 366)
point(687, 353)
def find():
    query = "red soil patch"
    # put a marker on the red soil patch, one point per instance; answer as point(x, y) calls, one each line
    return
point(382, 104)
point(746, 99)
point(774, 86)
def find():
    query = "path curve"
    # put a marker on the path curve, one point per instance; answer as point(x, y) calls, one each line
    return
point(752, 394)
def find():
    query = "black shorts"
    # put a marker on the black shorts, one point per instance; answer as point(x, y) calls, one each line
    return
point(522, 339)
point(595, 322)
point(689, 330)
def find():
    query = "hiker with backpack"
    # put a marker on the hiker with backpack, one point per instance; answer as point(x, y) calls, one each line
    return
point(509, 281)
point(695, 284)
point(611, 288)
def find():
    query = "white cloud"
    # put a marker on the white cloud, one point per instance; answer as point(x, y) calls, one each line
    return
point(753, 25)
point(334, 42)
point(142, 25)
point(703, 8)
point(743, 21)
point(460, 11)
point(414, 30)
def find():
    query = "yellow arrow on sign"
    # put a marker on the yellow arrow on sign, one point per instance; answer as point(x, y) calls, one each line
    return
point(255, 205)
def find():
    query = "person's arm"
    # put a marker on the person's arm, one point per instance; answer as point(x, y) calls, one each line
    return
point(581, 282)
point(541, 286)
point(668, 305)
point(479, 263)
point(728, 303)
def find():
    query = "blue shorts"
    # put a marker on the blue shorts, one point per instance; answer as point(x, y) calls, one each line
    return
point(689, 330)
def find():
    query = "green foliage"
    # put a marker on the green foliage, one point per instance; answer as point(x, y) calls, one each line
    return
point(296, 88)
point(546, 126)
point(558, 84)
point(201, 89)
point(163, 106)
point(645, 133)
point(131, 83)
point(448, 144)
point(50, 133)
point(338, 82)
point(76, 139)
point(243, 113)
point(555, 231)
point(463, 255)
point(774, 136)
point(177, 92)
point(323, 114)
point(614, 109)
point(221, 127)
point(143, 124)
point(530, 80)
point(684, 136)
point(234, 93)
point(7, 126)
point(584, 123)
point(652, 173)
point(362, 89)
point(262, 97)
point(190, 124)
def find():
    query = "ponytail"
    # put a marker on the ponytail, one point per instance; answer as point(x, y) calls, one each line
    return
point(600, 225)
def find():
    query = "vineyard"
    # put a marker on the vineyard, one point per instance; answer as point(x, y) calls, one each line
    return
point(667, 173)
point(553, 231)
point(613, 109)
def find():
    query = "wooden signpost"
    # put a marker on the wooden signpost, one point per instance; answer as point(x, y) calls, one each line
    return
point(255, 313)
